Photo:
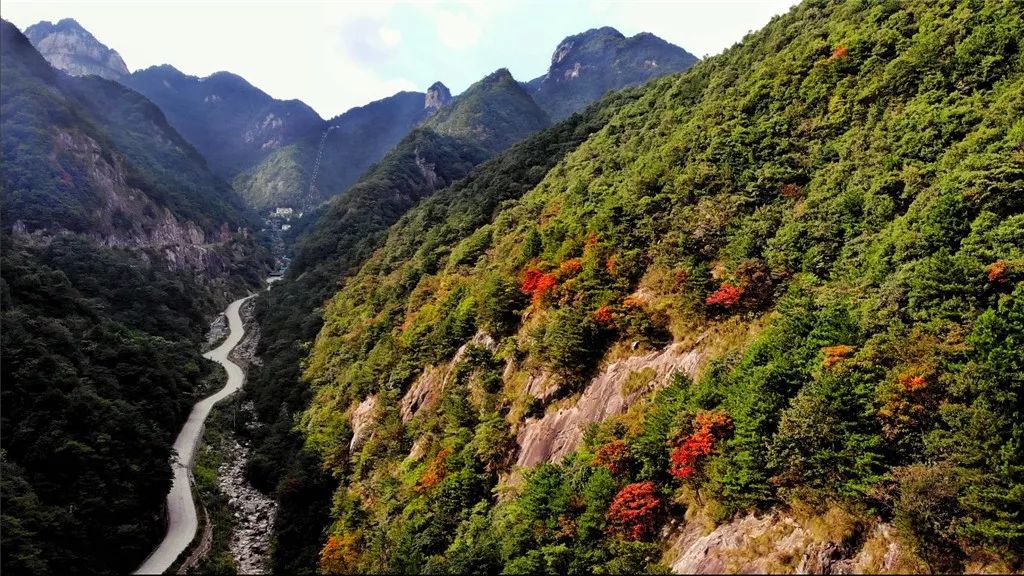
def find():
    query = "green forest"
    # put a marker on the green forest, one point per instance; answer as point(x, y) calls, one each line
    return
point(100, 344)
point(832, 208)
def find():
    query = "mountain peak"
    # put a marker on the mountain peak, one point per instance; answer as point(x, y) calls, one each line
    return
point(438, 96)
point(586, 65)
point(494, 113)
point(68, 46)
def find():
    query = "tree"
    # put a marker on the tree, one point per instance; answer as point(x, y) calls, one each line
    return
point(634, 511)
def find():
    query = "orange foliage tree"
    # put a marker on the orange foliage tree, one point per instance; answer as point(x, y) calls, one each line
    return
point(634, 511)
point(436, 471)
point(997, 271)
point(570, 267)
point(834, 354)
point(614, 456)
point(340, 554)
point(604, 315)
point(709, 427)
point(726, 296)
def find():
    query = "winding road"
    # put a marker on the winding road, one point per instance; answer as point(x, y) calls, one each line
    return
point(182, 522)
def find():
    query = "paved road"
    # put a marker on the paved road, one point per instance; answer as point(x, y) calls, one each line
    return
point(181, 510)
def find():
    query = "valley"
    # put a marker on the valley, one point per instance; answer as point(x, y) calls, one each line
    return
point(760, 311)
point(182, 517)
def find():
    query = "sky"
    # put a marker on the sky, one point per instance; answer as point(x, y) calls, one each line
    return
point(335, 55)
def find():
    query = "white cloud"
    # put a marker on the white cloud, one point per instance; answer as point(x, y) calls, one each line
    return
point(457, 30)
point(389, 36)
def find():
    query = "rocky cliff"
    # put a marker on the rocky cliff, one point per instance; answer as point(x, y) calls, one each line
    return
point(585, 66)
point(69, 47)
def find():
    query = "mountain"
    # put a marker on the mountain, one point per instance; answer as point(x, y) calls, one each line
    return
point(69, 47)
point(339, 237)
point(781, 293)
point(231, 122)
point(488, 117)
point(118, 243)
point(352, 143)
point(587, 65)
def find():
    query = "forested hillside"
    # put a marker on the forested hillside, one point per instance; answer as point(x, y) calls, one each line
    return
point(234, 124)
point(356, 140)
point(827, 219)
point(117, 246)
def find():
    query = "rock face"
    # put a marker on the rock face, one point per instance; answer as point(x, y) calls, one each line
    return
point(362, 417)
point(426, 390)
point(438, 96)
point(559, 432)
point(587, 65)
point(253, 514)
point(778, 543)
point(89, 157)
point(69, 47)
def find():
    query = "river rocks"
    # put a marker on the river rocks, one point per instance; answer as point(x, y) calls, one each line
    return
point(245, 353)
point(253, 513)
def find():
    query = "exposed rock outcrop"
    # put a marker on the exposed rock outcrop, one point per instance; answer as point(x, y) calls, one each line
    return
point(438, 96)
point(69, 47)
point(126, 217)
point(559, 432)
point(426, 390)
point(779, 543)
point(585, 66)
point(362, 417)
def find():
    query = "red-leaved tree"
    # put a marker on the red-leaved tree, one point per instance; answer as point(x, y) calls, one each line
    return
point(708, 428)
point(614, 456)
point(537, 284)
point(634, 511)
point(726, 296)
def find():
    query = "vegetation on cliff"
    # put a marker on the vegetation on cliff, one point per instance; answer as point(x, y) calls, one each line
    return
point(848, 179)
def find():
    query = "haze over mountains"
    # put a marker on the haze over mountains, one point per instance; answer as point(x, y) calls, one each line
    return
point(764, 314)
point(269, 147)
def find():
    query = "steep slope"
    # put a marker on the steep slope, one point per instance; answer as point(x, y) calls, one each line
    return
point(493, 114)
point(827, 219)
point(69, 47)
point(585, 66)
point(231, 122)
point(117, 243)
point(344, 233)
point(489, 116)
point(356, 139)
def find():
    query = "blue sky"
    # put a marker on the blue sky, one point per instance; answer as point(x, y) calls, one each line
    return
point(334, 55)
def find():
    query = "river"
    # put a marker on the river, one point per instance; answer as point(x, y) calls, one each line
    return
point(182, 522)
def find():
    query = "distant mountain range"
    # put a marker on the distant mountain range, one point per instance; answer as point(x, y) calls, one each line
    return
point(269, 147)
